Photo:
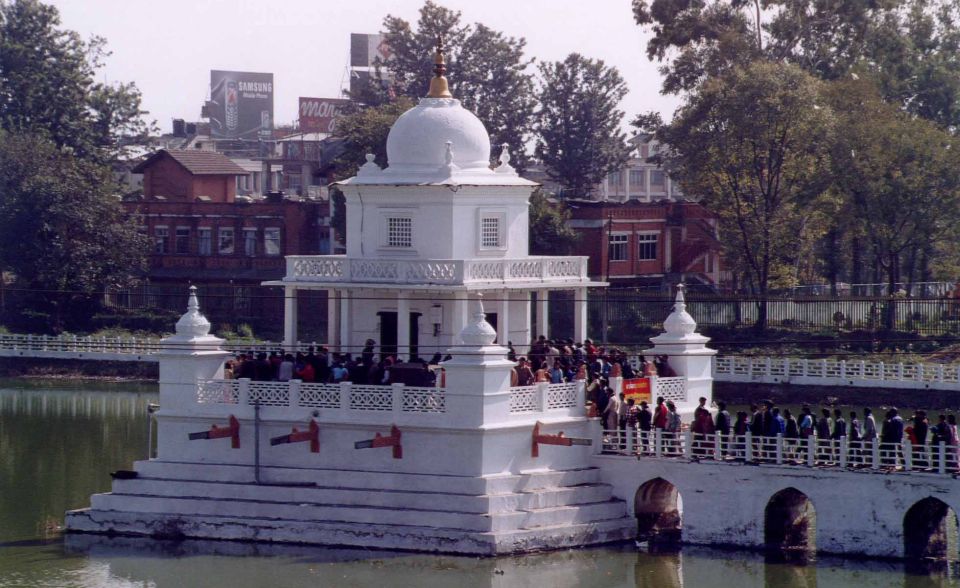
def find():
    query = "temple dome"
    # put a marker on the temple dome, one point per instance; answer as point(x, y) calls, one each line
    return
point(418, 139)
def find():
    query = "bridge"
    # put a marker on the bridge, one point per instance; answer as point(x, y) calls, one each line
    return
point(832, 496)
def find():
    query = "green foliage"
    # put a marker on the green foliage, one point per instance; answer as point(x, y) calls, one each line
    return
point(486, 70)
point(578, 126)
point(909, 46)
point(550, 232)
point(755, 144)
point(365, 130)
point(61, 230)
point(48, 85)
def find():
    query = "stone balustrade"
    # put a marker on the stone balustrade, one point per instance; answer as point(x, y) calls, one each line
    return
point(833, 372)
point(810, 452)
point(345, 402)
point(341, 269)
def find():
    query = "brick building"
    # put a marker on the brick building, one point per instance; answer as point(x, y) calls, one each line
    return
point(641, 244)
point(204, 234)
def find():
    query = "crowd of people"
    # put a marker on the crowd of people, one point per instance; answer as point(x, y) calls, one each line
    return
point(319, 365)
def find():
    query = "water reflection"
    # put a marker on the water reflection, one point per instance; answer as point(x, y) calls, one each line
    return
point(58, 445)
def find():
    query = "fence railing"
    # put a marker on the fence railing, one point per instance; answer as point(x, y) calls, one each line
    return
point(808, 452)
point(834, 372)
point(348, 399)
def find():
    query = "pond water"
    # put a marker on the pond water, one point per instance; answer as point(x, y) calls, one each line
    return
point(60, 440)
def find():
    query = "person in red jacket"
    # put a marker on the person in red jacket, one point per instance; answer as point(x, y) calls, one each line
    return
point(660, 414)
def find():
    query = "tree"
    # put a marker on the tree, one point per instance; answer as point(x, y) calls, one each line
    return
point(755, 143)
point(900, 176)
point(47, 85)
point(365, 130)
point(550, 232)
point(578, 125)
point(909, 46)
point(61, 229)
point(487, 72)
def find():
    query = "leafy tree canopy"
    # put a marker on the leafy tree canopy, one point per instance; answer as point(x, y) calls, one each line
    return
point(550, 232)
point(578, 127)
point(47, 85)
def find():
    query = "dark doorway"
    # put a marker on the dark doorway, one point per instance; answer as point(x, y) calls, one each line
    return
point(929, 528)
point(658, 508)
point(492, 319)
point(790, 522)
point(388, 334)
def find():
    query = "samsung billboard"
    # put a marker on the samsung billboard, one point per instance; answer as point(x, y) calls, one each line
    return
point(241, 105)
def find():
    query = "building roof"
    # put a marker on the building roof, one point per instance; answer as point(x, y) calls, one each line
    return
point(197, 162)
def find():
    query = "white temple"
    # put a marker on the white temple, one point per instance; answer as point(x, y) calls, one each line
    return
point(422, 234)
point(474, 466)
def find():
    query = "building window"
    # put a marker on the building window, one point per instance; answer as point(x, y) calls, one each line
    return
point(225, 242)
point(657, 179)
point(490, 232)
point(399, 231)
point(161, 239)
point(615, 178)
point(249, 242)
point(181, 242)
point(271, 241)
point(204, 241)
point(647, 243)
point(636, 178)
point(618, 247)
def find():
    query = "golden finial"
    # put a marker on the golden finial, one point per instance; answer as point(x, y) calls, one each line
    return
point(438, 85)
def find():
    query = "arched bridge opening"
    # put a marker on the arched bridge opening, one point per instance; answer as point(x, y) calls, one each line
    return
point(930, 532)
point(659, 510)
point(790, 522)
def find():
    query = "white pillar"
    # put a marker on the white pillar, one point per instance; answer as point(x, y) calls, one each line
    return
point(626, 183)
point(646, 184)
point(526, 332)
point(344, 342)
point(459, 318)
point(403, 326)
point(543, 297)
point(289, 316)
point(503, 318)
point(580, 314)
point(333, 313)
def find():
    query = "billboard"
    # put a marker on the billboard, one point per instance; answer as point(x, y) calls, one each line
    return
point(319, 115)
point(365, 49)
point(241, 105)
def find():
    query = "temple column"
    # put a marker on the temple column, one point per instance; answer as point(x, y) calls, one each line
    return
point(344, 342)
point(526, 333)
point(403, 327)
point(459, 318)
point(580, 314)
point(289, 317)
point(503, 318)
point(543, 319)
point(333, 313)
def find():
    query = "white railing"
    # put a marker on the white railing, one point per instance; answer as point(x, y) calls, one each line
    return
point(344, 396)
point(800, 452)
point(833, 372)
point(117, 348)
point(674, 389)
point(339, 268)
point(544, 397)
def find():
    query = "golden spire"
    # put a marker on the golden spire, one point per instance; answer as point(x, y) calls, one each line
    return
point(438, 85)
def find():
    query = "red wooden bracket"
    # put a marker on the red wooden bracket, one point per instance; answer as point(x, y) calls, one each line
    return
point(557, 439)
point(232, 430)
point(312, 434)
point(393, 440)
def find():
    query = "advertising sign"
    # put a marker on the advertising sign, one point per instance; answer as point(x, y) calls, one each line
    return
point(638, 389)
point(319, 115)
point(241, 105)
point(365, 49)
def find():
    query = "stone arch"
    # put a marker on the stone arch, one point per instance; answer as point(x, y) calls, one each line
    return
point(930, 531)
point(790, 522)
point(659, 508)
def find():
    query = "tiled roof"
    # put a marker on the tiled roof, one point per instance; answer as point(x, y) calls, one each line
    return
point(197, 162)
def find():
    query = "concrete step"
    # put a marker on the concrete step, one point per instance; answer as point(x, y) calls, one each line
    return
point(483, 504)
point(577, 505)
point(498, 484)
point(349, 534)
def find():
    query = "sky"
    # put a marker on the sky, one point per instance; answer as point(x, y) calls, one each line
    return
point(169, 47)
